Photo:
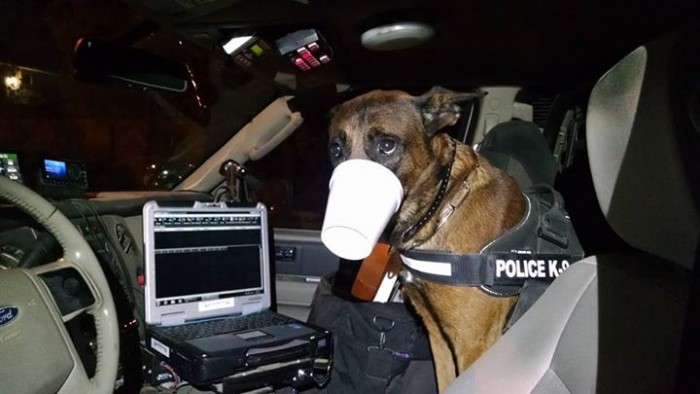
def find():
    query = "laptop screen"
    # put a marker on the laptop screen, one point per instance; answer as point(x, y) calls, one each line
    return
point(206, 255)
point(201, 261)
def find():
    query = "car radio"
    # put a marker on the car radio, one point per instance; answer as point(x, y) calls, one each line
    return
point(63, 178)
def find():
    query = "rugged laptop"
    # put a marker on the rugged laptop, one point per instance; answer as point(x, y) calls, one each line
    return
point(208, 293)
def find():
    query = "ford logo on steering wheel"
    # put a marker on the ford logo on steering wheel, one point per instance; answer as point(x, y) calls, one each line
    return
point(8, 314)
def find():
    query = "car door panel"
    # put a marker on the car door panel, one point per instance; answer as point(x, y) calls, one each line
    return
point(301, 260)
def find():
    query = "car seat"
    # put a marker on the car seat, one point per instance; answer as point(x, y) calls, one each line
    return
point(613, 322)
point(519, 148)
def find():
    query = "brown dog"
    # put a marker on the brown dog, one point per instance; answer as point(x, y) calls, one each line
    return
point(399, 131)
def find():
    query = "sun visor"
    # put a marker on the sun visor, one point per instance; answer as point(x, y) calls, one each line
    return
point(257, 138)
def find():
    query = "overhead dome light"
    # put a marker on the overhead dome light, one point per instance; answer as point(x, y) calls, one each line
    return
point(396, 36)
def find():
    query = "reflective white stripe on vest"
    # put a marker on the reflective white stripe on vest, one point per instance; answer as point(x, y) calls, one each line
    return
point(429, 267)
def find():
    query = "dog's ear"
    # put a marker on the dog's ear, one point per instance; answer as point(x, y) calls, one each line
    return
point(441, 107)
point(331, 112)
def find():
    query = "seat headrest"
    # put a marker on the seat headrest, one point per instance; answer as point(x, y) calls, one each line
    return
point(635, 157)
point(519, 148)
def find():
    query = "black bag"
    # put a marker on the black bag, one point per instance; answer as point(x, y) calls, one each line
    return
point(379, 348)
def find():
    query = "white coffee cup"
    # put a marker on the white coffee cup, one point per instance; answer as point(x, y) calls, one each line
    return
point(363, 196)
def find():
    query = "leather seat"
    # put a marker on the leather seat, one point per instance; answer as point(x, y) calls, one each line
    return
point(613, 323)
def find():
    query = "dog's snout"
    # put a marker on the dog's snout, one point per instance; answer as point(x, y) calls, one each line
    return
point(337, 148)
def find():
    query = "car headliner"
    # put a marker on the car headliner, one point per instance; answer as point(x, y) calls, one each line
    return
point(477, 42)
point(539, 43)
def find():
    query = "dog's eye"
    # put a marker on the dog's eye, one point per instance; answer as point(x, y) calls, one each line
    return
point(387, 146)
point(335, 150)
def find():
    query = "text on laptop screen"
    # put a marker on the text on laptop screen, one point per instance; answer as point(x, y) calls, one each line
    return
point(201, 256)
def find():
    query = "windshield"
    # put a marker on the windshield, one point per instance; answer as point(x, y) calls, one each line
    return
point(128, 139)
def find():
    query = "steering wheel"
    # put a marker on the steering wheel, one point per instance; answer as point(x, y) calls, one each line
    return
point(36, 353)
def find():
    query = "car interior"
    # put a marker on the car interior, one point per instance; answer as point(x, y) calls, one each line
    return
point(109, 106)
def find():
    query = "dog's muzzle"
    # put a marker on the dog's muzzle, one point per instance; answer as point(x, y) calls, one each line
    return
point(363, 196)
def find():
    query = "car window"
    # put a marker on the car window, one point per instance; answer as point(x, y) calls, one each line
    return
point(128, 139)
point(295, 175)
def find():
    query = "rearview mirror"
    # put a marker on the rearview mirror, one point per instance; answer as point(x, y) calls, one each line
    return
point(96, 60)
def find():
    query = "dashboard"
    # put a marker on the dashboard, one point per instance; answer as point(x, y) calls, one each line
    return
point(52, 177)
point(113, 229)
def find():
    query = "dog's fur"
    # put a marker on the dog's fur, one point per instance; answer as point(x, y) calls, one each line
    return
point(462, 322)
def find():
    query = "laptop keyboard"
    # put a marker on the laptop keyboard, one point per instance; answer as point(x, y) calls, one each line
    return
point(220, 326)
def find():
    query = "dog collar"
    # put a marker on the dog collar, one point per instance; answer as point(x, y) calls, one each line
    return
point(444, 173)
point(540, 247)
